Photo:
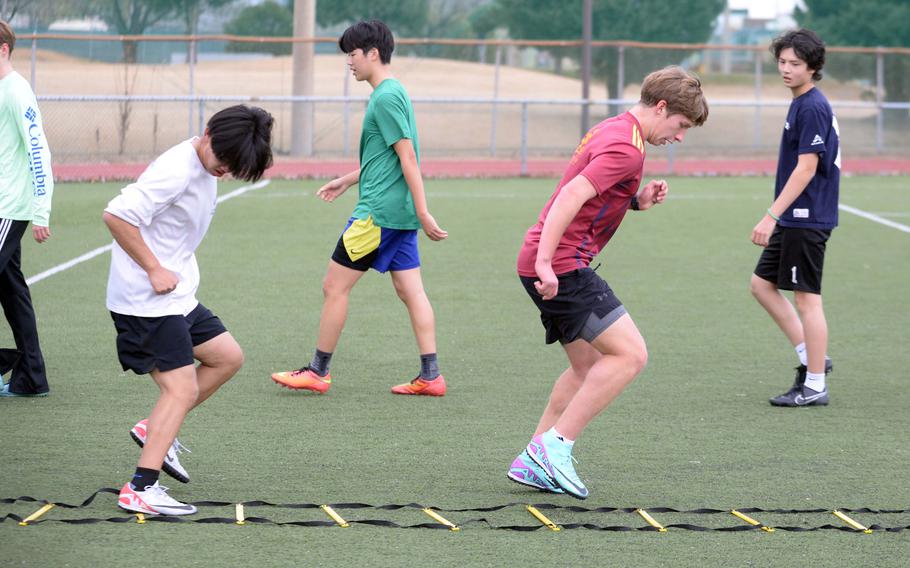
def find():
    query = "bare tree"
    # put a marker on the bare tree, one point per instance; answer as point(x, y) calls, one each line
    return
point(133, 17)
point(190, 10)
point(9, 8)
point(126, 84)
point(41, 11)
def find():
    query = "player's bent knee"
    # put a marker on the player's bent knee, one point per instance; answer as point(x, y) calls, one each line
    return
point(807, 301)
point(759, 286)
point(402, 294)
point(186, 393)
point(418, 299)
point(222, 352)
point(639, 358)
point(234, 358)
point(636, 353)
point(581, 369)
point(331, 290)
point(232, 355)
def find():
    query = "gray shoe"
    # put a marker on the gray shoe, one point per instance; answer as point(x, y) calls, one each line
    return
point(798, 382)
point(802, 397)
point(6, 393)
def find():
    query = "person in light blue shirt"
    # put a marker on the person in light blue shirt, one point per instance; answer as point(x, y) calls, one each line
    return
point(26, 187)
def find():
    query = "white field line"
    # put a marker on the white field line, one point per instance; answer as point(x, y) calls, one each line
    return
point(875, 218)
point(101, 250)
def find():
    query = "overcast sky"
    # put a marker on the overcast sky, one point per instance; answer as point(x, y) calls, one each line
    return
point(764, 8)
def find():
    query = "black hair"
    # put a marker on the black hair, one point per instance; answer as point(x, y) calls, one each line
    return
point(807, 46)
point(366, 35)
point(241, 139)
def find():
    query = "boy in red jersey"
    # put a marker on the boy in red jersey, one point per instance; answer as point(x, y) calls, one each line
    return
point(577, 307)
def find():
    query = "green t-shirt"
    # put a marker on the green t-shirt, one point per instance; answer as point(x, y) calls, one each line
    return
point(26, 181)
point(384, 192)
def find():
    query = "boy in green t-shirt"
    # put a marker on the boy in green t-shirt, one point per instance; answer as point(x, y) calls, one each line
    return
point(382, 231)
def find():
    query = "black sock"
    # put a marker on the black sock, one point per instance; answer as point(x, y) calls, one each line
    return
point(320, 364)
point(144, 477)
point(429, 367)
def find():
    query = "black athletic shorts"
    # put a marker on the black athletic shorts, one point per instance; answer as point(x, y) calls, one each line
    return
point(164, 343)
point(583, 308)
point(794, 258)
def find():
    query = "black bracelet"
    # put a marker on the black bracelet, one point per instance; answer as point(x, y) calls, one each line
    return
point(634, 204)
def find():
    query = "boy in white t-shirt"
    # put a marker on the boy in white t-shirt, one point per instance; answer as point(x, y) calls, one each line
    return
point(157, 223)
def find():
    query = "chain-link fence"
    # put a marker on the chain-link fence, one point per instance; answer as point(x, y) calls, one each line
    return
point(473, 98)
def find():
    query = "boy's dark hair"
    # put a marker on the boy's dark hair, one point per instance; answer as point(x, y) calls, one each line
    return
point(7, 36)
point(807, 46)
point(241, 139)
point(366, 35)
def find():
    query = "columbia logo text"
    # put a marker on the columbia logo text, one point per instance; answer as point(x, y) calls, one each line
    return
point(35, 150)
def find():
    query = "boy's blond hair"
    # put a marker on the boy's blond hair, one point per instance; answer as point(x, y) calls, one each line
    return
point(680, 89)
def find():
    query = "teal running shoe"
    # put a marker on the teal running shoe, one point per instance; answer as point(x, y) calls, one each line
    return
point(556, 460)
point(524, 470)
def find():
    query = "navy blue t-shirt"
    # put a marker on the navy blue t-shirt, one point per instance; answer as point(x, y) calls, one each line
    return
point(811, 128)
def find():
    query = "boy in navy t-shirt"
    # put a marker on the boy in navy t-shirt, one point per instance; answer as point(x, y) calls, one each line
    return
point(797, 226)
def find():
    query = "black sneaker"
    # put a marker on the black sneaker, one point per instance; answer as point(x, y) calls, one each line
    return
point(798, 382)
point(802, 397)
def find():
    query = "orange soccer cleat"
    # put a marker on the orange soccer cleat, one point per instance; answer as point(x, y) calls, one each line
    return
point(304, 378)
point(436, 387)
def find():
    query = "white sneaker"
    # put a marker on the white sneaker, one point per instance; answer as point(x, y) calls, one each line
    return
point(153, 500)
point(171, 465)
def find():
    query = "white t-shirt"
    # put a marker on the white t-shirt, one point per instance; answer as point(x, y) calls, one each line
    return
point(172, 203)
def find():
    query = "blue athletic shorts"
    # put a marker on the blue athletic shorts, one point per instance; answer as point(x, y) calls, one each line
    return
point(363, 245)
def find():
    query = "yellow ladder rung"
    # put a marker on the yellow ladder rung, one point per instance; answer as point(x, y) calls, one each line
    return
point(334, 516)
point(34, 516)
point(644, 514)
point(542, 518)
point(751, 521)
point(851, 522)
point(440, 519)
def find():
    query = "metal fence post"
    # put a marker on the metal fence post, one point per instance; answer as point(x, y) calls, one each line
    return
point(346, 114)
point(34, 62)
point(201, 116)
point(191, 52)
point(494, 108)
point(756, 140)
point(879, 99)
point(620, 75)
point(586, 66)
point(523, 171)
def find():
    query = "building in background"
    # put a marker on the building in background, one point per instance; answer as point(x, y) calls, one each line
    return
point(745, 22)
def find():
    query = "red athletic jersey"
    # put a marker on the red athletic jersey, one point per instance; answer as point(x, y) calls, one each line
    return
point(611, 156)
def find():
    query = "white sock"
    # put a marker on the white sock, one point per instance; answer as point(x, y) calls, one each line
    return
point(815, 381)
point(562, 438)
point(801, 353)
